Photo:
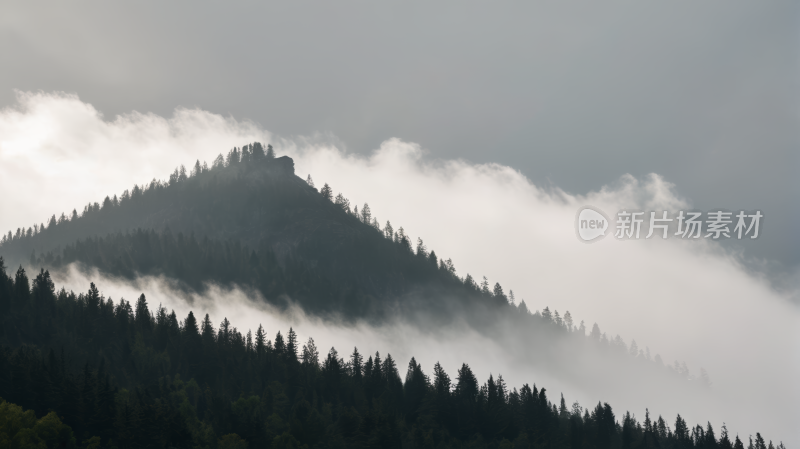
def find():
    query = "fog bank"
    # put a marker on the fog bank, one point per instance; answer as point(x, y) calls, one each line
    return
point(684, 300)
point(451, 346)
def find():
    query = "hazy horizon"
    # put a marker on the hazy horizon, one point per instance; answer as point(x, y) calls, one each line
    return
point(684, 300)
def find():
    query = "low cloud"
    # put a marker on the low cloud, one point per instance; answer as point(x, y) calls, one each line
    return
point(58, 153)
point(687, 300)
point(690, 301)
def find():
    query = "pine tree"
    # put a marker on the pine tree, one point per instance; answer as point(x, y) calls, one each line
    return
point(224, 333)
point(260, 345)
point(547, 315)
point(422, 251)
point(441, 381)
point(682, 432)
point(232, 158)
point(249, 342)
point(246, 155)
point(6, 289)
point(142, 317)
point(310, 181)
point(414, 389)
point(595, 335)
point(469, 282)
point(724, 440)
point(93, 299)
point(190, 325)
point(634, 350)
point(402, 239)
point(356, 365)
point(377, 373)
point(433, 260)
point(628, 426)
point(467, 383)
point(280, 346)
point(310, 354)
point(760, 444)
point(485, 286)
point(388, 231)
point(43, 290)
point(327, 192)
point(366, 214)
point(342, 202)
point(498, 293)
point(332, 367)
point(22, 290)
point(257, 151)
point(661, 428)
point(291, 345)
point(450, 267)
point(568, 321)
point(197, 168)
point(219, 162)
point(208, 332)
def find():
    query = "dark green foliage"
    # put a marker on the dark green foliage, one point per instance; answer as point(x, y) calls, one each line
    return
point(20, 429)
point(132, 377)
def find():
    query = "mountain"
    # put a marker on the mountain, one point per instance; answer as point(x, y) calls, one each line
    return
point(248, 221)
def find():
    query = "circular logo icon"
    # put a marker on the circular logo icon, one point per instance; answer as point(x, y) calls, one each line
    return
point(591, 224)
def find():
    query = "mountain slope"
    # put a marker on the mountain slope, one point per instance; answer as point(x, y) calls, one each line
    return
point(121, 375)
point(269, 215)
point(248, 221)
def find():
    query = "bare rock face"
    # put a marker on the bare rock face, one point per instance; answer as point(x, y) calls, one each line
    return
point(284, 164)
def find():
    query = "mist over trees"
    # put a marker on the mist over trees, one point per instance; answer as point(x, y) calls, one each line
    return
point(127, 374)
point(140, 376)
point(249, 221)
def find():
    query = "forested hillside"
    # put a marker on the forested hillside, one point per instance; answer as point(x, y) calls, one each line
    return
point(248, 221)
point(123, 375)
point(239, 220)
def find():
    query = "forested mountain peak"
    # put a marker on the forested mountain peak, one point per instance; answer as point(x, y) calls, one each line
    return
point(249, 195)
point(248, 221)
point(246, 216)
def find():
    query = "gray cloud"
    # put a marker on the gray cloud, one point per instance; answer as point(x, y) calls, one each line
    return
point(692, 301)
point(575, 94)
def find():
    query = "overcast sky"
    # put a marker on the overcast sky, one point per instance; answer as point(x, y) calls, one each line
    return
point(572, 94)
point(565, 97)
